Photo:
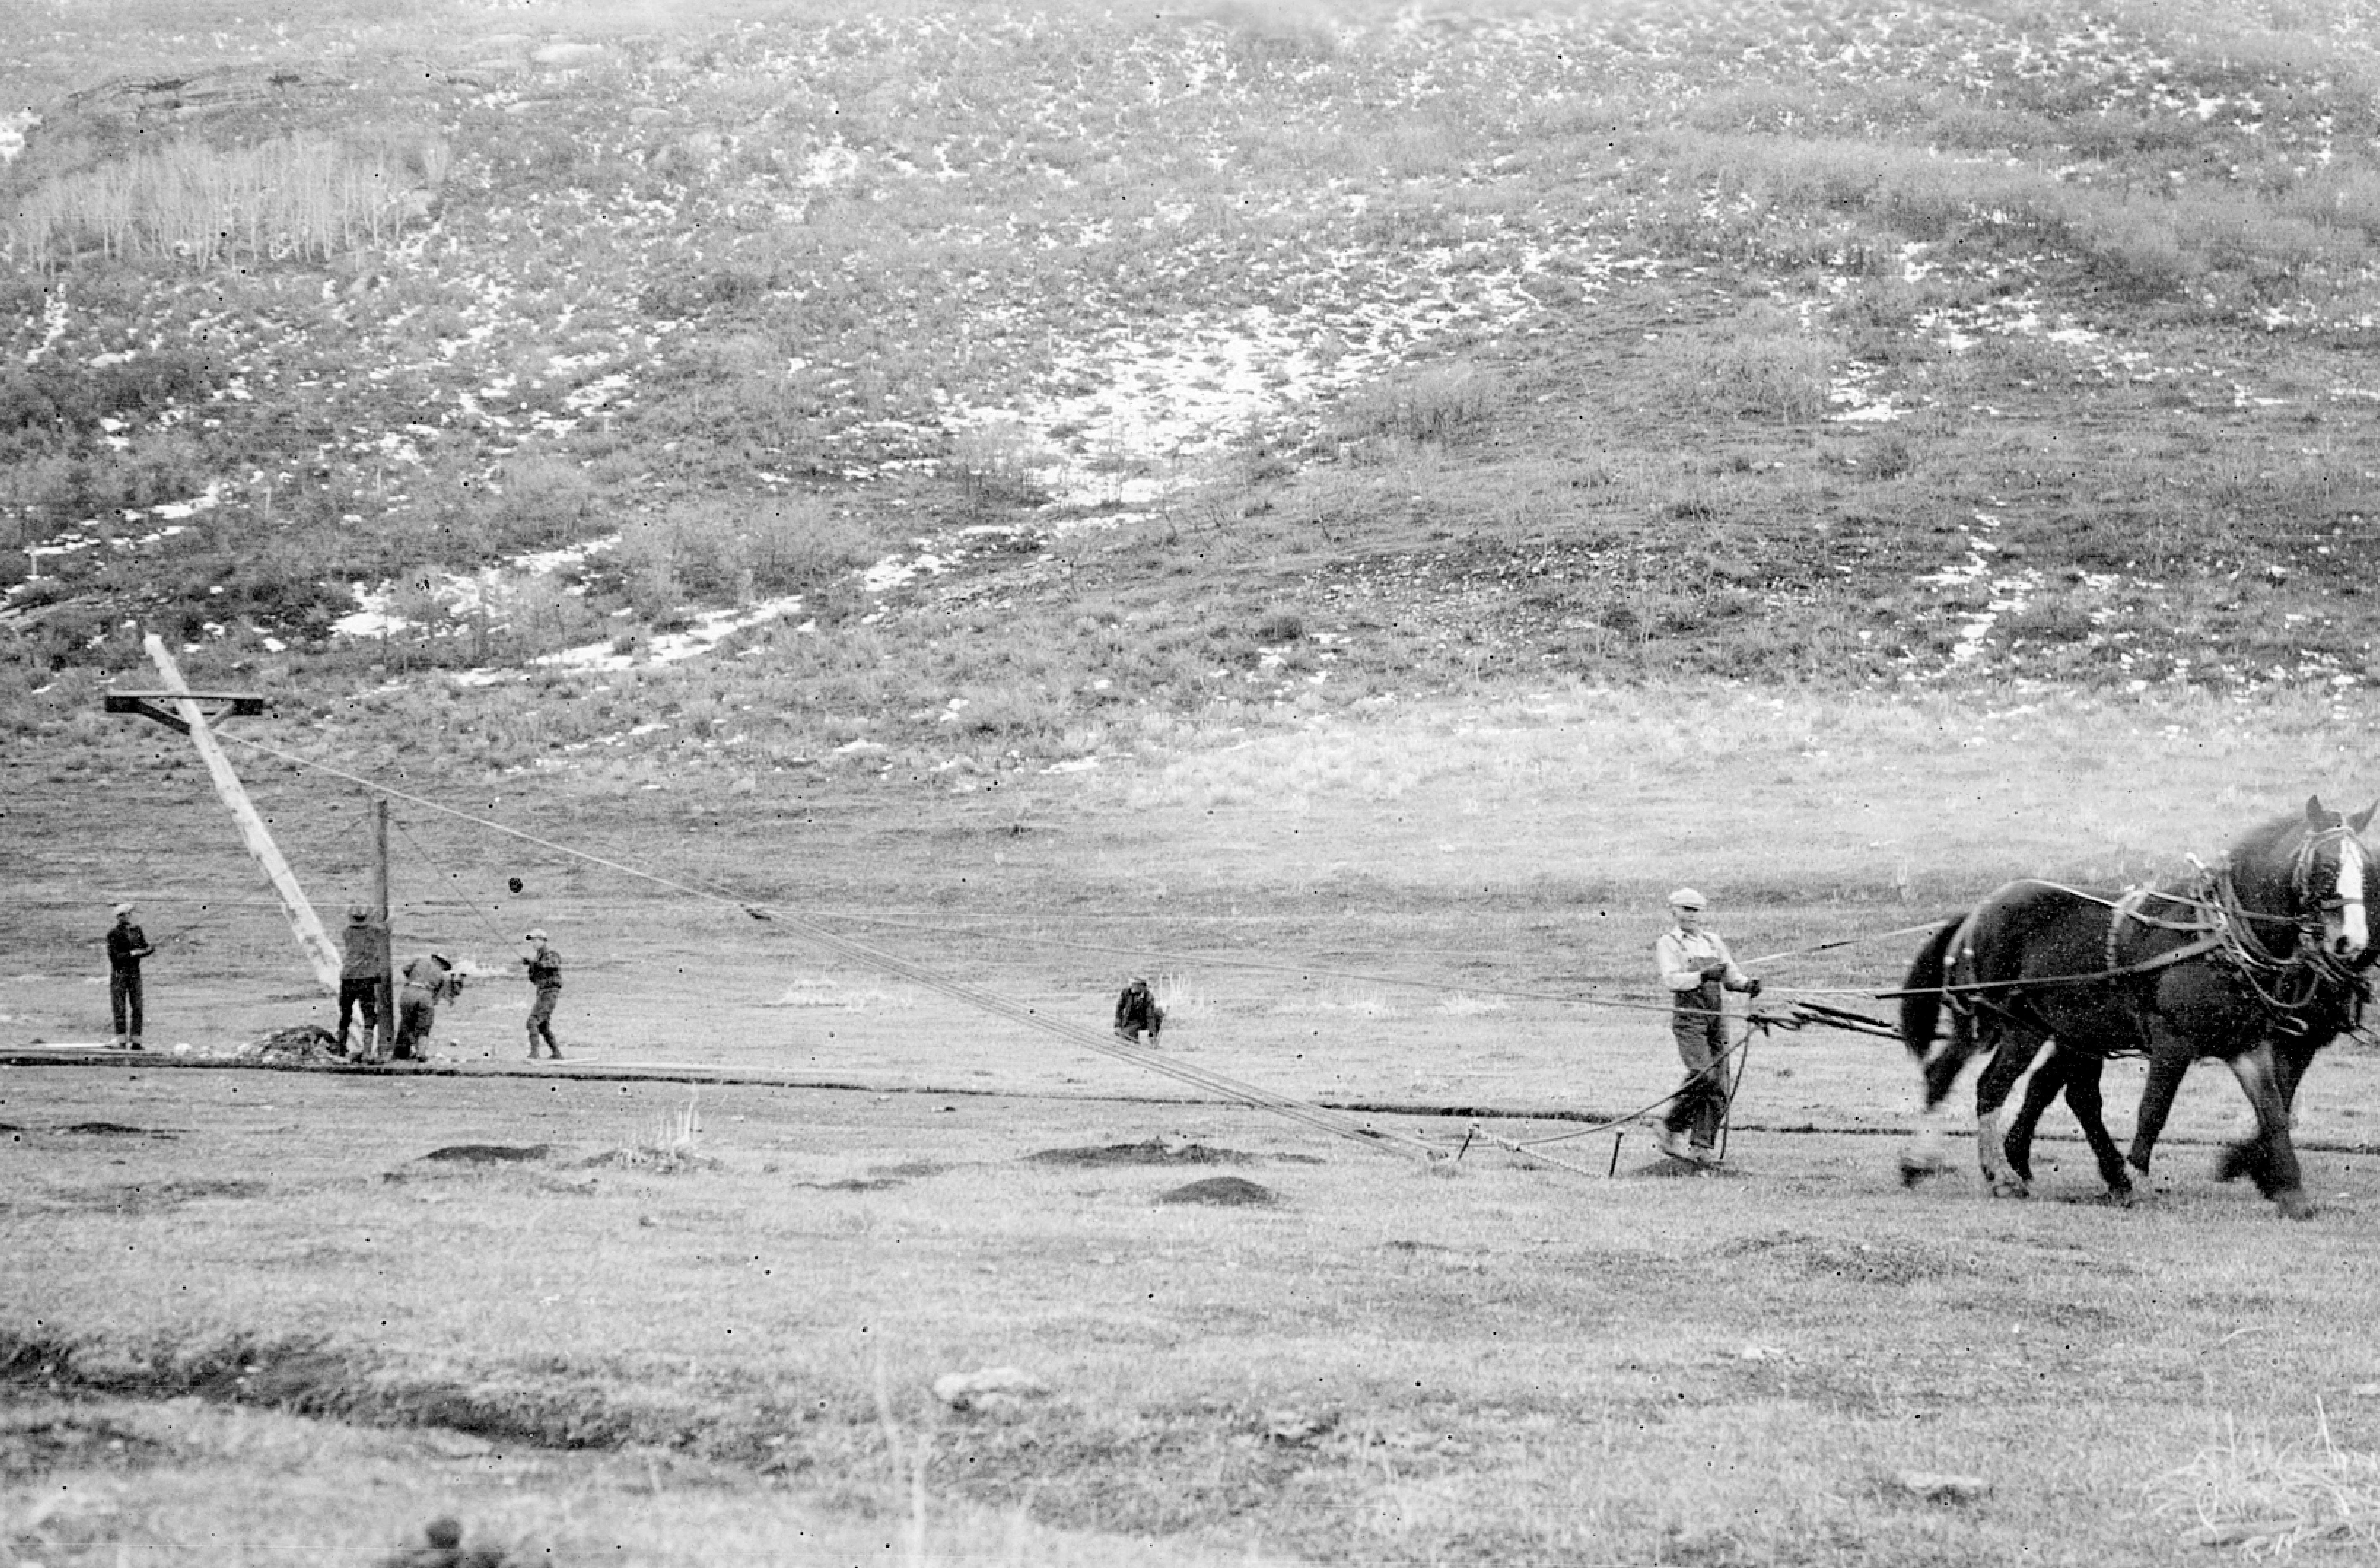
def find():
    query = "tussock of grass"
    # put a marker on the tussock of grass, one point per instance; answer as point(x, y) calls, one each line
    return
point(2272, 1496)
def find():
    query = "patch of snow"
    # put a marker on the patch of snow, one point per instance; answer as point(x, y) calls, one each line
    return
point(709, 629)
point(13, 130)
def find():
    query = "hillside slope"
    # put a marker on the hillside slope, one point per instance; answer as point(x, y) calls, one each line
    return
point(973, 387)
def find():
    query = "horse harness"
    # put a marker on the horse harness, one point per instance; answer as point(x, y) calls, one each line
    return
point(2291, 988)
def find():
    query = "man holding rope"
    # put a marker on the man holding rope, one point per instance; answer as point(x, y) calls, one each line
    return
point(127, 945)
point(1697, 968)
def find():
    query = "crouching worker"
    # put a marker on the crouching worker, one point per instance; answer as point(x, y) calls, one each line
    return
point(429, 980)
point(1697, 968)
point(1137, 1014)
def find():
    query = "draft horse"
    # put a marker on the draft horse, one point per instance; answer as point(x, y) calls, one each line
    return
point(2256, 961)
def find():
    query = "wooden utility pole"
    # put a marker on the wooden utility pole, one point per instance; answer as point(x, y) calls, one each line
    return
point(384, 982)
point(182, 711)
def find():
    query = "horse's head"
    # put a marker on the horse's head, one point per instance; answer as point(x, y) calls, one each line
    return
point(2338, 882)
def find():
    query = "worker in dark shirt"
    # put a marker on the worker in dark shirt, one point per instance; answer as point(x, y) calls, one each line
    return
point(1137, 1013)
point(545, 973)
point(127, 945)
point(361, 970)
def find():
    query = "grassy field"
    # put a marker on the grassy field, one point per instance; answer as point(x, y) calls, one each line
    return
point(782, 1193)
point(1336, 506)
point(272, 1308)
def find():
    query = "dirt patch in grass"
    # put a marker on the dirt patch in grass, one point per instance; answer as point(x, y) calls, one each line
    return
point(312, 1378)
point(38, 1443)
point(1885, 1262)
point(489, 1153)
point(1154, 1151)
point(130, 1197)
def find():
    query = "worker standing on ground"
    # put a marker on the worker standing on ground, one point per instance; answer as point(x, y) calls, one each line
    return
point(127, 945)
point(545, 973)
point(429, 980)
point(364, 962)
point(1137, 1013)
point(1696, 967)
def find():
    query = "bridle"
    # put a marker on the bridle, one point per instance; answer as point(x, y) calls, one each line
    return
point(2294, 984)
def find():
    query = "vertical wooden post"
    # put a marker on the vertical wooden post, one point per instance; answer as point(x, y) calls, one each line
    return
point(311, 937)
point(386, 981)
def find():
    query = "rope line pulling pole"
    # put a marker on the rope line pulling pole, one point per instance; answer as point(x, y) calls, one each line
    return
point(1337, 1124)
point(1802, 1012)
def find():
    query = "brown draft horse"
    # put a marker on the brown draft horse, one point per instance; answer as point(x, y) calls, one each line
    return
point(2257, 962)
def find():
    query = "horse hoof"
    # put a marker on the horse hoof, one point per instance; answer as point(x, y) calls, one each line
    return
point(2011, 1186)
point(1915, 1168)
point(2120, 1195)
point(2294, 1205)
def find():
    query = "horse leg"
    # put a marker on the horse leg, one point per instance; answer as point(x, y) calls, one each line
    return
point(2015, 1053)
point(1938, 1070)
point(2039, 1091)
point(2083, 1097)
point(2169, 1060)
point(2291, 1057)
point(2271, 1157)
point(1923, 999)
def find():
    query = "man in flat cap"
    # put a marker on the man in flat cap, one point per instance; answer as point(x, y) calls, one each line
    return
point(1696, 968)
point(127, 945)
point(545, 973)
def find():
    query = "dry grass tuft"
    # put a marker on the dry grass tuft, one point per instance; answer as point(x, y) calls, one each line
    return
point(2271, 1496)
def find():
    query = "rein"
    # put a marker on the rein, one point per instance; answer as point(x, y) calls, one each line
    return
point(2293, 986)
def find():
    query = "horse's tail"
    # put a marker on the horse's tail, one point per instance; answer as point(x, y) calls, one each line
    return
point(1922, 994)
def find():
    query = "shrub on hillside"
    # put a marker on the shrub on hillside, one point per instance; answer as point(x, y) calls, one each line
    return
point(1761, 366)
point(1266, 39)
point(68, 397)
point(1279, 625)
point(718, 550)
point(996, 467)
point(2134, 246)
point(1443, 404)
point(541, 500)
point(2345, 197)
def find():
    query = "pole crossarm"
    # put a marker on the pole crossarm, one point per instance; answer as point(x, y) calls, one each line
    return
point(151, 705)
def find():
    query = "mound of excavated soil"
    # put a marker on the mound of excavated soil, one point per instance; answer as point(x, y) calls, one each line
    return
point(1224, 1191)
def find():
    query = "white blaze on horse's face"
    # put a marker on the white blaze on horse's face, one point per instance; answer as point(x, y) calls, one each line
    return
point(2345, 928)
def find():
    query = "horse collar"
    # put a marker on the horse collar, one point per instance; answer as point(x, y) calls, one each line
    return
point(2127, 907)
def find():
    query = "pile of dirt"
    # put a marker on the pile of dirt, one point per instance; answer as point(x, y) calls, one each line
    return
point(302, 1045)
point(1230, 1192)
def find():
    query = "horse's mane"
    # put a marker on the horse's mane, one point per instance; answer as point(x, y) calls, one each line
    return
point(2266, 839)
